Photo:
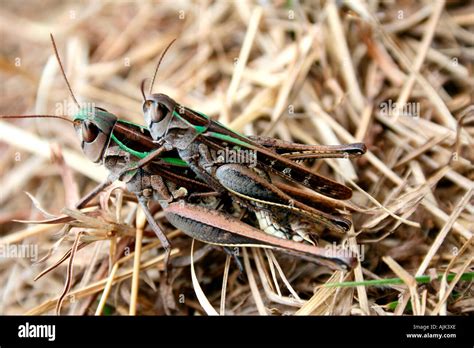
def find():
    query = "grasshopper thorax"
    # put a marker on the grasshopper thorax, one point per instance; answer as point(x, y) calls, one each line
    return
point(94, 127)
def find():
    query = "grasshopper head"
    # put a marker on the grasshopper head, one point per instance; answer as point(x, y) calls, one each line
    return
point(94, 127)
point(156, 109)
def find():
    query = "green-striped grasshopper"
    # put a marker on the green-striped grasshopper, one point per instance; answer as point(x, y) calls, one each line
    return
point(103, 139)
point(200, 141)
point(130, 153)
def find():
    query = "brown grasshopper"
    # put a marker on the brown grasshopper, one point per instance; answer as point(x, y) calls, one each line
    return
point(157, 180)
point(149, 175)
point(101, 133)
point(200, 140)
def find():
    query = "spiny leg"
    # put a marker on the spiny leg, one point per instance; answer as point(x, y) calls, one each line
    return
point(165, 243)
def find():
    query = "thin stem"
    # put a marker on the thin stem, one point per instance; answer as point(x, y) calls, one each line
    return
point(391, 281)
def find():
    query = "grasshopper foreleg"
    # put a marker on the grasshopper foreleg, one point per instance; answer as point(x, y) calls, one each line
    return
point(165, 243)
point(143, 185)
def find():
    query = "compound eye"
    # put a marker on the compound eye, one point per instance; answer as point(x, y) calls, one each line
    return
point(155, 110)
point(89, 131)
point(161, 112)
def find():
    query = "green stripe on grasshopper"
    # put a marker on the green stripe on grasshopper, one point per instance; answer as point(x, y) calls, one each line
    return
point(199, 129)
point(142, 154)
point(172, 160)
point(202, 129)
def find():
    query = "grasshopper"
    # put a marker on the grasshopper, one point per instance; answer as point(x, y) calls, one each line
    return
point(157, 180)
point(103, 139)
point(199, 141)
point(129, 152)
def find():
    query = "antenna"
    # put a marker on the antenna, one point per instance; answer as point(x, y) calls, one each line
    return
point(64, 118)
point(142, 89)
point(158, 65)
point(62, 70)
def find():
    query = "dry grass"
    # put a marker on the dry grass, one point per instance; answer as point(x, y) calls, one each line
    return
point(310, 72)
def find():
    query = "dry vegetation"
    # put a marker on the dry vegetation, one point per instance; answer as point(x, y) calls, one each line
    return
point(311, 72)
